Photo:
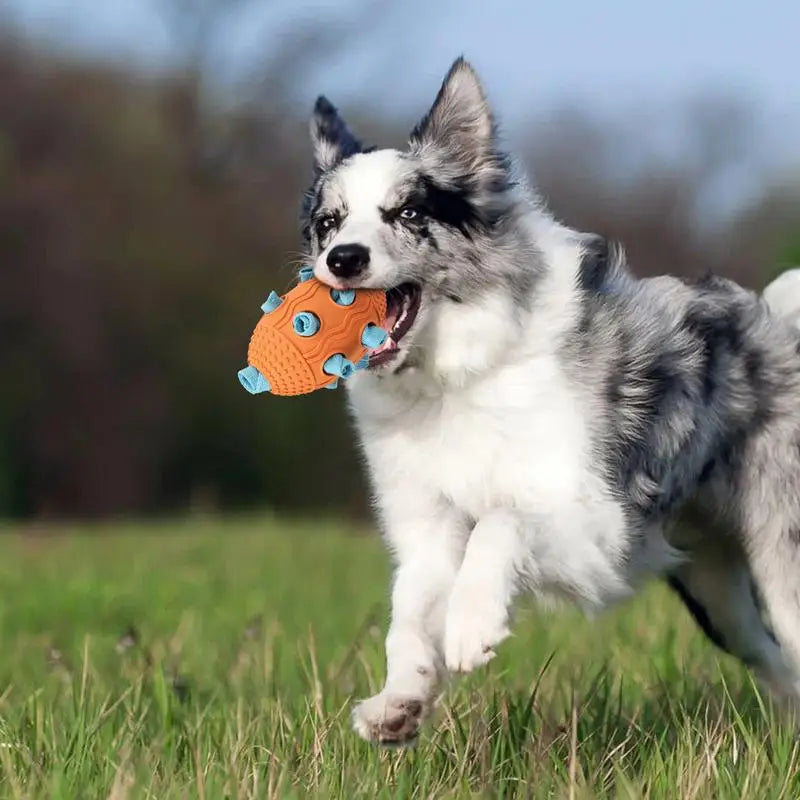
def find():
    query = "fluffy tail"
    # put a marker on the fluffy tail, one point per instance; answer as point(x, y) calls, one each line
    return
point(783, 296)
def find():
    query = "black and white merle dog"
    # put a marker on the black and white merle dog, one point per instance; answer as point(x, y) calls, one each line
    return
point(541, 421)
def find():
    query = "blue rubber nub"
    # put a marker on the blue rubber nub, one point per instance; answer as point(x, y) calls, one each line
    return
point(338, 365)
point(271, 303)
point(333, 385)
point(305, 323)
point(363, 363)
point(305, 273)
point(373, 336)
point(343, 297)
point(253, 380)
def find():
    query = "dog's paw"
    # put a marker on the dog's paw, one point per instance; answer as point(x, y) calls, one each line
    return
point(390, 719)
point(472, 631)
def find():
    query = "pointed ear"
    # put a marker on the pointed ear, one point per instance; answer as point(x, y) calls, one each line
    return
point(330, 136)
point(459, 124)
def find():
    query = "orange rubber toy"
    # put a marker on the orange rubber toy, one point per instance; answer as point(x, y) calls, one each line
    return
point(312, 336)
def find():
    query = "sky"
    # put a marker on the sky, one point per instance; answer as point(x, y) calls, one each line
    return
point(607, 56)
point(528, 50)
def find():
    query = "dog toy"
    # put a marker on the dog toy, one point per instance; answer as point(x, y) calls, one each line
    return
point(312, 336)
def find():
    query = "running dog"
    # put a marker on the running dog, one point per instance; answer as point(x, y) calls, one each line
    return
point(540, 420)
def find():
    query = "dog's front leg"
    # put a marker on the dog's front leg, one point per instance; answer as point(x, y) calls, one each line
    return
point(428, 549)
point(508, 551)
point(478, 608)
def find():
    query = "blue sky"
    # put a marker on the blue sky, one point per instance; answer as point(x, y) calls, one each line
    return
point(529, 52)
point(635, 56)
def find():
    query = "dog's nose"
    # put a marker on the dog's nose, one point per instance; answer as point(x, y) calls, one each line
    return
point(348, 260)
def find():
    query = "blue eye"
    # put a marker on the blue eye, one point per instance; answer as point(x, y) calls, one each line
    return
point(409, 212)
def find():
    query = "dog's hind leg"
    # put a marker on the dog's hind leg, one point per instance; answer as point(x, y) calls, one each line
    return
point(766, 501)
point(717, 588)
point(775, 565)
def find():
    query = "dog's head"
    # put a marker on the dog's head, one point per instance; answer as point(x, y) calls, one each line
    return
point(420, 223)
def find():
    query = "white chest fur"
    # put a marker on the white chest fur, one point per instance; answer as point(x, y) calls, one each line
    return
point(514, 439)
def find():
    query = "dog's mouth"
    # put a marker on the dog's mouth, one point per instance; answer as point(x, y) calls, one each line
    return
point(402, 305)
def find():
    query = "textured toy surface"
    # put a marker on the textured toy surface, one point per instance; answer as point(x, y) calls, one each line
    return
point(312, 336)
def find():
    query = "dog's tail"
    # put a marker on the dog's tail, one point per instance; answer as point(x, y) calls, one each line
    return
point(783, 296)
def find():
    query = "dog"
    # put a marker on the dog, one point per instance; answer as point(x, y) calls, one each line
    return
point(540, 420)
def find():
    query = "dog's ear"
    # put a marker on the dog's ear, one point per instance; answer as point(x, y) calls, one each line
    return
point(330, 136)
point(459, 125)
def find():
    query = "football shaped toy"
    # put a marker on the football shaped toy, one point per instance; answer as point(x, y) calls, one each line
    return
point(312, 336)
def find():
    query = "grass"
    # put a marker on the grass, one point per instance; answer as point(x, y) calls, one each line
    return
point(218, 659)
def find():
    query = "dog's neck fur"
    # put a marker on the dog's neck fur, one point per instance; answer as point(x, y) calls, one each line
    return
point(461, 343)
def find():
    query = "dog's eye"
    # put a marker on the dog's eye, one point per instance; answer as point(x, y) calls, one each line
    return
point(410, 212)
point(325, 224)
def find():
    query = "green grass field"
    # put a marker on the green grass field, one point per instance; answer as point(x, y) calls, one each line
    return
point(218, 659)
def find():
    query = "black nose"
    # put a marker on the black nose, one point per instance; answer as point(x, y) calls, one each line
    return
point(348, 260)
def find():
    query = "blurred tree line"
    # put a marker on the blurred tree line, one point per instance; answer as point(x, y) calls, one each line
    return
point(141, 228)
